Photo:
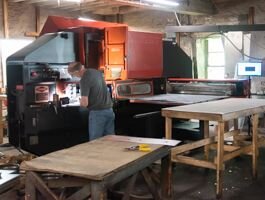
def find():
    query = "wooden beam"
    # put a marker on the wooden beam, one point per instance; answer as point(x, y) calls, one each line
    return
point(251, 15)
point(37, 17)
point(195, 7)
point(37, 24)
point(191, 7)
point(5, 18)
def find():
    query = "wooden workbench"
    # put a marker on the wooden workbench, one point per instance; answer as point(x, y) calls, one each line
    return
point(96, 165)
point(220, 111)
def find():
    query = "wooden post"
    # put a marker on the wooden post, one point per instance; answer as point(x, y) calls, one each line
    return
point(5, 18)
point(206, 135)
point(168, 128)
point(220, 154)
point(166, 177)
point(37, 16)
point(255, 118)
point(98, 191)
point(37, 24)
point(251, 15)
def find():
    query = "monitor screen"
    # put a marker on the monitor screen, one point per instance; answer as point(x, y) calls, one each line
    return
point(249, 69)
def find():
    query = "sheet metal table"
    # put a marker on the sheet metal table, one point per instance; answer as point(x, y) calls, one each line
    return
point(175, 99)
point(220, 111)
point(96, 165)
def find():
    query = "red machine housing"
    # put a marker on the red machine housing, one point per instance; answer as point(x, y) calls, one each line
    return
point(121, 54)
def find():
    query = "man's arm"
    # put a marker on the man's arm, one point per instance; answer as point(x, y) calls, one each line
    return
point(84, 101)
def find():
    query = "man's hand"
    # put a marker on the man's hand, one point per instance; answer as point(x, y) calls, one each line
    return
point(83, 101)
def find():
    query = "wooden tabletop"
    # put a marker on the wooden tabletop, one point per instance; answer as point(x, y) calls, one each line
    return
point(93, 160)
point(219, 110)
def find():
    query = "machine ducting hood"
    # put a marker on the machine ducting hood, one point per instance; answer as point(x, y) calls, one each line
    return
point(49, 48)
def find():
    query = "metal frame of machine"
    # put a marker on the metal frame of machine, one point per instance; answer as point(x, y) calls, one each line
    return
point(38, 84)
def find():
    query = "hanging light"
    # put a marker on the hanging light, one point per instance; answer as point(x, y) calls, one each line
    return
point(163, 2)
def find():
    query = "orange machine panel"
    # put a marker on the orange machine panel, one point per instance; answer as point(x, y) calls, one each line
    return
point(115, 42)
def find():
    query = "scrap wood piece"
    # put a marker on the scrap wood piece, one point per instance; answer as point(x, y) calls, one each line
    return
point(14, 159)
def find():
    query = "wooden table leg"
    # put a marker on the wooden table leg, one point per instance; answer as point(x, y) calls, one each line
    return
point(235, 141)
point(205, 127)
point(220, 154)
point(98, 191)
point(166, 177)
point(254, 144)
point(168, 128)
point(30, 190)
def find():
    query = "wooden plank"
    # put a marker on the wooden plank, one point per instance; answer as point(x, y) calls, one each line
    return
point(66, 182)
point(200, 143)
point(237, 152)
point(193, 145)
point(228, 148)
point(193, 161)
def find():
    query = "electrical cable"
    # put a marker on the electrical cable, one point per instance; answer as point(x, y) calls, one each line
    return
point(177, 18)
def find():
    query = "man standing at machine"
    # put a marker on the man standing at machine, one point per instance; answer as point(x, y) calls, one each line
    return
point(96, 97)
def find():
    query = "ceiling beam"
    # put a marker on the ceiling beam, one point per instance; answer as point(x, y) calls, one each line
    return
point(191, 7)
point(196, 7)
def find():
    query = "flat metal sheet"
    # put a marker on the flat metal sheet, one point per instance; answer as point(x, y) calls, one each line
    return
point(8, 179)
point(143, 140)
point(176, 99)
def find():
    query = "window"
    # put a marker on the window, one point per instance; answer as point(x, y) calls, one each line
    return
point(216, 59)
point(7, 48)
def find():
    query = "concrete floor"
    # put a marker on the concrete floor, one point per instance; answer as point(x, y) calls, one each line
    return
point(192, 183)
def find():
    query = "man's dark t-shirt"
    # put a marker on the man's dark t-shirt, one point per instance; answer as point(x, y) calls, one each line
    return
point(94, 87)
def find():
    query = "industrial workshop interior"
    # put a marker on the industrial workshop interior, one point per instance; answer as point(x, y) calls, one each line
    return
point(132, 99)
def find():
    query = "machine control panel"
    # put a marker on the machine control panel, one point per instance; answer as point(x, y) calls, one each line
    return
point(44, 74)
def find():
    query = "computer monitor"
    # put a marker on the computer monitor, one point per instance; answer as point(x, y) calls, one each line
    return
point(249, 69)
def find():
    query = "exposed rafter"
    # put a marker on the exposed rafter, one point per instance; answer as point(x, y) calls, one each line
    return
point(109, 7)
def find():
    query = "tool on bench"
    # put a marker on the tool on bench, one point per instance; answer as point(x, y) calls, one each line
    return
point(140, 147)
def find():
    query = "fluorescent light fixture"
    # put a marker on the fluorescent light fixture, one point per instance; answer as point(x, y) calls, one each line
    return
point(163, 2)
point(86, 19)
point(77, 1)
